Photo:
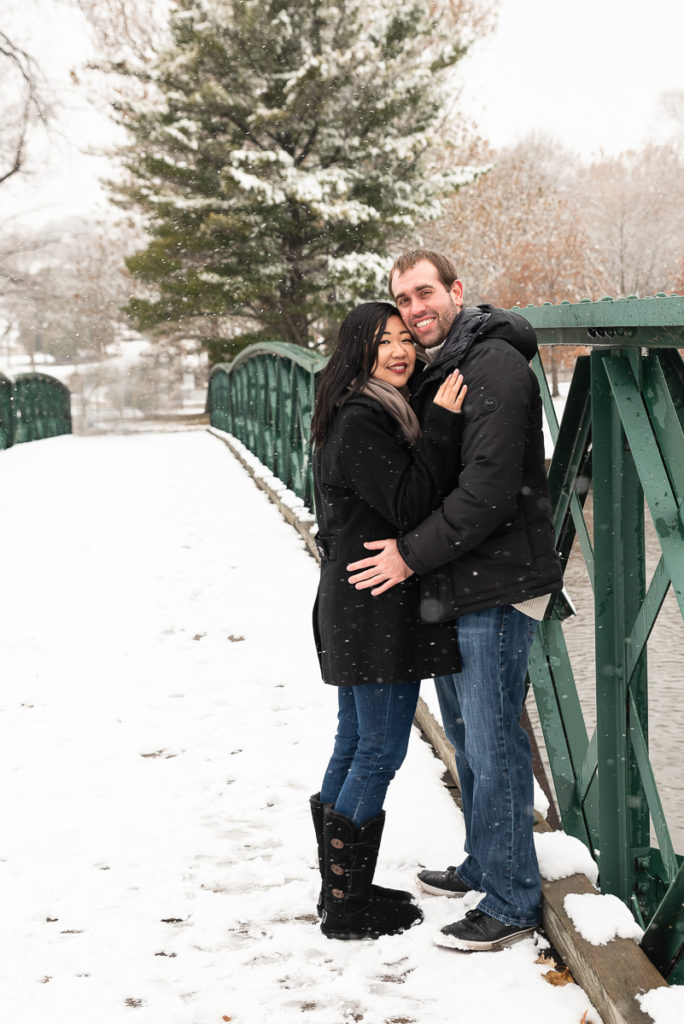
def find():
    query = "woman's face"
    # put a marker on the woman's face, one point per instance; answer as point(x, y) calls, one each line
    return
point(396, 355)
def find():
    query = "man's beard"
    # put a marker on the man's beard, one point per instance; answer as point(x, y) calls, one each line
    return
point(443, 325)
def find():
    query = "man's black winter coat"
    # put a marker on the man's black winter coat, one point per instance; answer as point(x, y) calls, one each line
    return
point(491, 541)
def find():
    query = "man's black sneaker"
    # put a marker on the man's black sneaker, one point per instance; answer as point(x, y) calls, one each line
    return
point(442, 883)
point(479, 931)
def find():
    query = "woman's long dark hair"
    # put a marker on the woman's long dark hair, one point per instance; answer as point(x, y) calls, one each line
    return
point(350, 365)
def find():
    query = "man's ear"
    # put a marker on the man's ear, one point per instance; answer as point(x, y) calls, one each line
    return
point(457, 292)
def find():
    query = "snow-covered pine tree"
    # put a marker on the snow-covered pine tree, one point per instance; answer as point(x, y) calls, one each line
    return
point(288, 146)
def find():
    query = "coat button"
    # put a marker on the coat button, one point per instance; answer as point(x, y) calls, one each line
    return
point(337, 843)
point(336, 869)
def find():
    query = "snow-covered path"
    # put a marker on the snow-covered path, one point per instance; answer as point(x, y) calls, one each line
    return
point(163, 725)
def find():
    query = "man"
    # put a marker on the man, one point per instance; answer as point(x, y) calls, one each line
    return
point(485, 556)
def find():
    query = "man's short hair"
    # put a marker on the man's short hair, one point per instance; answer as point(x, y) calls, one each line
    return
point(446, 270)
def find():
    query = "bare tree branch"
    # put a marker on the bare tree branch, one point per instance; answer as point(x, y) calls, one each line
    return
point(127, 28)
point(23, 84)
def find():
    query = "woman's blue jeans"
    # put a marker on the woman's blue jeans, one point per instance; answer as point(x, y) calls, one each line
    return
point(481, 708)
point(373, 729)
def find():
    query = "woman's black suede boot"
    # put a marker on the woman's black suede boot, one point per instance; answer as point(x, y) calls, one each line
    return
point(377, 891)
point(350, 911)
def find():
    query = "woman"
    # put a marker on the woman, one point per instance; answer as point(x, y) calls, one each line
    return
point(375, 475)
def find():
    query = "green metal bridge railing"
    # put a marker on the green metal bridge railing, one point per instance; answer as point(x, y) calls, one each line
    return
point(622, 437)
point(265, 399)
point(33, 406)
point(623, 431)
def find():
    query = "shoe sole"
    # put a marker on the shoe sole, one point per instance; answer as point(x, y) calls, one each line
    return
point(434, 891)
point(354, 936)
point(466, 946)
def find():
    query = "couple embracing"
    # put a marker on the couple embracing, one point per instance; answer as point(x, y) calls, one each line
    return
point(437, 560)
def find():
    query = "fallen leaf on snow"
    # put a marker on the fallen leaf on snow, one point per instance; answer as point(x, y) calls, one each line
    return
point(562, 977)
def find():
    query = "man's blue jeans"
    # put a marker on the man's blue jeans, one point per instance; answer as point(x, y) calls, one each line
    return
point(373, 729)
point(481, 708)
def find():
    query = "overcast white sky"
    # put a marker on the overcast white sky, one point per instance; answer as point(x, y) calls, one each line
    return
point(588, 71)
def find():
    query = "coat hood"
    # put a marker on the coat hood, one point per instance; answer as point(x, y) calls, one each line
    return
point(478, 322)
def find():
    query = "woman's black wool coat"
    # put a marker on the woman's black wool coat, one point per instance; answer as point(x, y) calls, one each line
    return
point(370, 484)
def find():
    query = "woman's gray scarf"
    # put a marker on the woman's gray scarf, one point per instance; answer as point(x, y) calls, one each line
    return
point(395, 401)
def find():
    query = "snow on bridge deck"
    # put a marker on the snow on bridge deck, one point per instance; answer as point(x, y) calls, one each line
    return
point(163, 725)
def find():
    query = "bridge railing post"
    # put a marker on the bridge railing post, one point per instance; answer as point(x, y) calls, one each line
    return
point(619, 591)
point(6, 418)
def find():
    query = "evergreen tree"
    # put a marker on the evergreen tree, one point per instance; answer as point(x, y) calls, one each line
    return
point(288, 146)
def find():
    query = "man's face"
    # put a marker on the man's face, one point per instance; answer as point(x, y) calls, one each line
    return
point(427, 308)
